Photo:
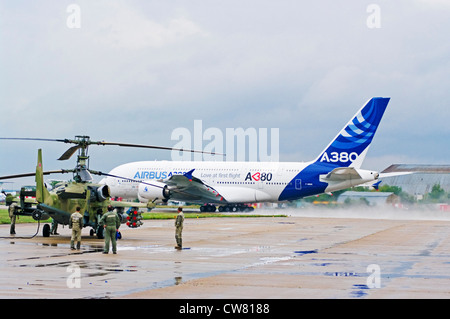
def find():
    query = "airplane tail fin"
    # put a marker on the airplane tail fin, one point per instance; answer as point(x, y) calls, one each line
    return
point(349, 147)
point(41, 191)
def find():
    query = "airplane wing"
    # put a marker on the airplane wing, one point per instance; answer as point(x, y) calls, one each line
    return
point(384, 175)
point(340, 174)
point(189, 188)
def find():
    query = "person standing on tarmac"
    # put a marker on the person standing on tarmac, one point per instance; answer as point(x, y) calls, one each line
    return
point(111, 223)
point(11, 211)
point(76, 224)
point(179, 228)
point(54, 229)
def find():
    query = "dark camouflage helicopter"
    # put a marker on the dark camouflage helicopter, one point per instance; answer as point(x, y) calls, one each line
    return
point(93, 199)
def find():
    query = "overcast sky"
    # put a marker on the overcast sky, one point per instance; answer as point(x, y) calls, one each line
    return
point(134, 71)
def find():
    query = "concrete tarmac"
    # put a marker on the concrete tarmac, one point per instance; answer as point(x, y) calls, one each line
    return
point(309, 254)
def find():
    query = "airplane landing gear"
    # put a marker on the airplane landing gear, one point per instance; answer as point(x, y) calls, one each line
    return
point(233, 208)
point(208, 208)
point(236, 208)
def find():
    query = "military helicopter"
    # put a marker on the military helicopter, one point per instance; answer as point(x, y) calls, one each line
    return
point(93, 199)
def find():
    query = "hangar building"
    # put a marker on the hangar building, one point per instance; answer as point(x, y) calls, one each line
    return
point(421, 181)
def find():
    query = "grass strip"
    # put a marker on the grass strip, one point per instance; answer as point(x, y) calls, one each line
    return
point(4, 216)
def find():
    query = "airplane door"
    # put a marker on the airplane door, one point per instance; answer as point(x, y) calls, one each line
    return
point(260, 184)
point(298, 184)
point(280, 170)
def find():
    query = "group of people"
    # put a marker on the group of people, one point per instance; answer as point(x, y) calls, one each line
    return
point(110, 222)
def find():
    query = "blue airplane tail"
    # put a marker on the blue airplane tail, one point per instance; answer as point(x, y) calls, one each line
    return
point(349, 147)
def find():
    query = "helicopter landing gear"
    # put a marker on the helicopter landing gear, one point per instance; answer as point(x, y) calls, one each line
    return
point(46, 230)
point(100, 232)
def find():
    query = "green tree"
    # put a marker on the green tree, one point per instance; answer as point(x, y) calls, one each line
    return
point(437, 193)
point(391, 189)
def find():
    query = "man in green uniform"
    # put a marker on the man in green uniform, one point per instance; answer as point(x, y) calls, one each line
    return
point(111, 223)
point(11, 210)
point(179, 228)
point(54, 229)
point(76, 224)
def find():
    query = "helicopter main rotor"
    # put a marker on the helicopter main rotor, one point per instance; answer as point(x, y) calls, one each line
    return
point(82, 142)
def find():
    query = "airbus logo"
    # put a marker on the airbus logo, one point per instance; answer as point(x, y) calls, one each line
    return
point(155, 174)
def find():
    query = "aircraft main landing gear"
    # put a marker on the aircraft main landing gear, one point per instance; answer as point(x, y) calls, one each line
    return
point(236, 208)
point(232, 208)
point(208, 208)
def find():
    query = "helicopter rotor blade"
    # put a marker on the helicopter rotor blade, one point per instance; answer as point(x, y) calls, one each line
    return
point(63, 157)
point(61, 171)
point(86, 141)
point(67, 154)
point(156, 147)
point(35, 139)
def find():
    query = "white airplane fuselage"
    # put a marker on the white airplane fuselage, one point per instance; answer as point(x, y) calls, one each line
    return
point(242, 182)
point(238, 182)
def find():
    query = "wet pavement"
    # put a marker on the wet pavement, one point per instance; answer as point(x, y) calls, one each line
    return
point(299, 256)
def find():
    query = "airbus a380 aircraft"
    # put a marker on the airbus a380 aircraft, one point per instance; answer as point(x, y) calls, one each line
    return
point(232, 184)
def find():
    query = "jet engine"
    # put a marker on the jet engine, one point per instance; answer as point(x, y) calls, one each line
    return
point(99, 193)
point(156, 192)
point(103, 193)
